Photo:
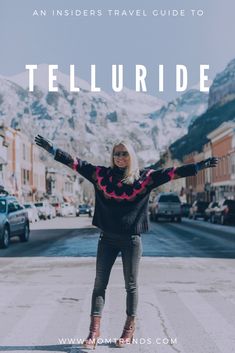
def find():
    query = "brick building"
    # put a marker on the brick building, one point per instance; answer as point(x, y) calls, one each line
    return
point(214, 183)
point(223, 146)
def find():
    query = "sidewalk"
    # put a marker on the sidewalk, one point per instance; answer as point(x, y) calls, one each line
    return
point(186, 305)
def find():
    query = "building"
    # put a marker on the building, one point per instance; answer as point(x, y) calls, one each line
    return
point(190, 182)
point(63, 185)
point(209, 190)
point(223, 146)
point(24, 173)
point(38, 181)
point(214, 183)
point(3, 158)
point(23, 164)
point(12, 172)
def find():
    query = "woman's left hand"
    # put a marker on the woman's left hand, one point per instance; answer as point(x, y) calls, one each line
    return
point(208, 163)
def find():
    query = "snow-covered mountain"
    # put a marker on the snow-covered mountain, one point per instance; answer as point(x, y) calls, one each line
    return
point(87, 123)
point(172, 120)
point(222, 89)
point(221, 109)
point(41, 79)
point(137, 103)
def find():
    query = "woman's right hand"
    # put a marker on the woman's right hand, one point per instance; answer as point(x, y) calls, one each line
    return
point(44, 143)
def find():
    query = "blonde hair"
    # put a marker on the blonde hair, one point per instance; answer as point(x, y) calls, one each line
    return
point(132, 171)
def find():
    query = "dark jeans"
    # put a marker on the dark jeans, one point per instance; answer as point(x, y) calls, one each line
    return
point(109, 247)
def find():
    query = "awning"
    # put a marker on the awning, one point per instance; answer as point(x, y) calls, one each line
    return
point(224, 183)
point(66, 198)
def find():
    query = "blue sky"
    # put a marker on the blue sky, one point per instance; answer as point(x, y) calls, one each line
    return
point(107, 40)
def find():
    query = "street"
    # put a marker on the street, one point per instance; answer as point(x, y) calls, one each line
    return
point(186, 289)
point(71, 236)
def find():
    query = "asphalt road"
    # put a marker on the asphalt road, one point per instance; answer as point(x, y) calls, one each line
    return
point(73, 236)
point(186, 290)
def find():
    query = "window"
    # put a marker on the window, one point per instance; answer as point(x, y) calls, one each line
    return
point(38, 204)
point(25, 176)
point(169, 198)
point(2, 206)
point(24, 152)
point(232, 163)
point(17, 205)
point(11, 207)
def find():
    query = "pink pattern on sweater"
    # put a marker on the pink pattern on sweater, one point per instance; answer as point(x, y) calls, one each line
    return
point(172, 173)
point(75, 164)
point(124, 196)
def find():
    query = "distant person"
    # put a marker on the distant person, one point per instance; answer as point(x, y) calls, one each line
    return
point(121, 213)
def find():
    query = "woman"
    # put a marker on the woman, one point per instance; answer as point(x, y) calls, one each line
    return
point(121, 213)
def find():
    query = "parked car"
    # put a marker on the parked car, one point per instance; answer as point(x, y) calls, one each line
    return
point(198, 209)
point(67, 209)
point(52, 211)
point(185, 207)
point(14, 220)
point(32, 212)
point(84, 209)
point(224, 212)
point(57, 206)
point(210, 210)
point(166, 205)
point(44, 210)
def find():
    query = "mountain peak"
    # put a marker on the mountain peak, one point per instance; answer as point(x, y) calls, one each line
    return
point(222, 89)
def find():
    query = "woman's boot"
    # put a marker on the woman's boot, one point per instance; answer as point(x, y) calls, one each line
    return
point(90, 342)
point(128, 332)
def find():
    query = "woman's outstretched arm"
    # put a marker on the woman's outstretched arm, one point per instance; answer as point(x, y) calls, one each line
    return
point(82, 167)
point(162, 176)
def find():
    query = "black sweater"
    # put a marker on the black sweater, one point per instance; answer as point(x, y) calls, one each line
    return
point(121, 208)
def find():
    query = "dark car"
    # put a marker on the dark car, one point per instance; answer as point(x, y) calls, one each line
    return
point(210, 211)
point(13, 220)
point(185, 207)
point(198, 209)
point(84, 209)
point(225, 212)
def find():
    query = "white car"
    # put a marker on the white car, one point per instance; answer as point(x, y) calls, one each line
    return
point(52, 211)
point(67, 209)
point(44, 210)
point(32, 212)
